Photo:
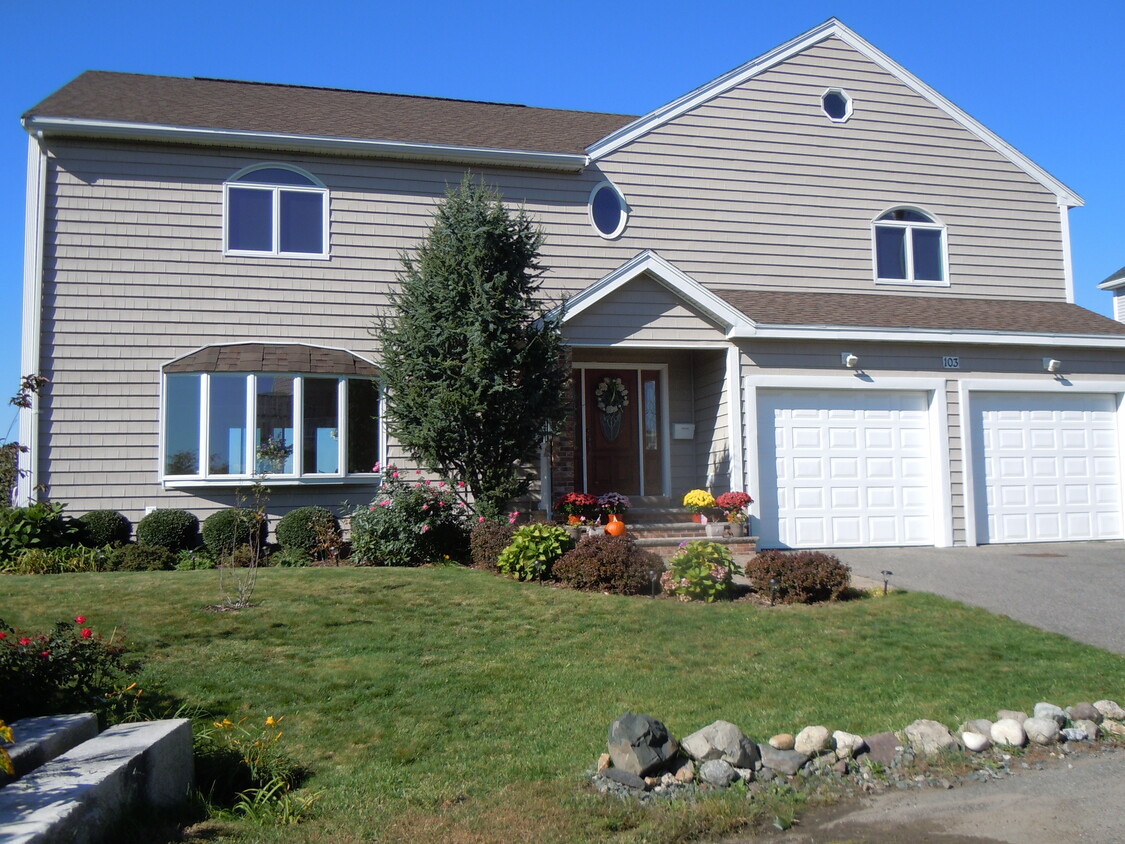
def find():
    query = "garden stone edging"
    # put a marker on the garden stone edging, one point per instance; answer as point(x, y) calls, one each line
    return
point(871, 763)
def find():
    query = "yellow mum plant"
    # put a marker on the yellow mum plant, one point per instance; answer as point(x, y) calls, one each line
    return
point(699, 500)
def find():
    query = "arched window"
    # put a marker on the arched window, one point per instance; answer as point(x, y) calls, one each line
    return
point(909, 248)
point(276, 209)
point(608, 211)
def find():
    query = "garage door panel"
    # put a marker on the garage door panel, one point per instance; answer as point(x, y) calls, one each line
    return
point(873, 467)
point(1046, 467)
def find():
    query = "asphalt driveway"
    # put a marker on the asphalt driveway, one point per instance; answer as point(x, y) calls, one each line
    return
point(1073, 588)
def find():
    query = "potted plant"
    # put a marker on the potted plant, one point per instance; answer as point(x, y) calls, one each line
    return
point(578, 507)
point(734, 504)
point(699, 501)
point(614, 505)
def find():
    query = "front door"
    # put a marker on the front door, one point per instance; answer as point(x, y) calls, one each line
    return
point(622, 432)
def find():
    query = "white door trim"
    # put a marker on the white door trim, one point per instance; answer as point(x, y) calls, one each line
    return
point(966, 389)
point(934, 388)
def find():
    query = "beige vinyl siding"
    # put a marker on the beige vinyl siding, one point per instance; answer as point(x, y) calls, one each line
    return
point(956, 452)
point(712, 421)
point(1119, 305)
point(757, 187)
point(641, 311)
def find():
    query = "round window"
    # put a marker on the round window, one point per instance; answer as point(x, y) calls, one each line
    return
point(607, 210)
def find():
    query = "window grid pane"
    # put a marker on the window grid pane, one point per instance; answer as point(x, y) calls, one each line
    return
point(302, 222)
point(890, 251)
point(250, 219)
point(927, 254)
point(181, 431)
point(321, 419)
point(274, 424)
point(227, 429)
point(363, 425)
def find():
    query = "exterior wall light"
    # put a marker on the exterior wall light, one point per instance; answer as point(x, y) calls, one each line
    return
point(849, 360)
point(1052, 365)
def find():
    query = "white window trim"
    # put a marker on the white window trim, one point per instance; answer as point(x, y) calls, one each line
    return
point(937, 225)
point(616, 233)
point(317, 187)
point(849, 105)
point(205, 478)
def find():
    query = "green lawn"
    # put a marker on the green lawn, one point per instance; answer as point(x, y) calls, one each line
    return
point(451, 705)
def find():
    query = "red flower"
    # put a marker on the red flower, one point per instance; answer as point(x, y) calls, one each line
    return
point(87, 632)
point(45, 654)
point(25, 641)
point(3, 635)
point(80, 620)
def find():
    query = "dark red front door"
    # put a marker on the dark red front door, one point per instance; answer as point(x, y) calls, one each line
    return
point(612, 447)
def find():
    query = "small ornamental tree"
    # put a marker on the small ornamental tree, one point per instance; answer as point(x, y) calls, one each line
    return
point(474, 371)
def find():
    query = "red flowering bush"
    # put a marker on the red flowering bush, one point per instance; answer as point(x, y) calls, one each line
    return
point(70, 669)
point(580, 504)
point(734, 504)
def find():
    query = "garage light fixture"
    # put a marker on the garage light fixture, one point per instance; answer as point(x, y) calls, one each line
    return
point(1052, 365)
point(849, 360)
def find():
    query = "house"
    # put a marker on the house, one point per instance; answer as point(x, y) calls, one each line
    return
point(1116, 283)
point(813, 278)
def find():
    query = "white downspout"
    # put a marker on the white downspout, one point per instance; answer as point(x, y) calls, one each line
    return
point(35, 215)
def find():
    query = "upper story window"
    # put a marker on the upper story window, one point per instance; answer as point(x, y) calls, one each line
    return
point(909, 248)
point(608, 211)
point(222, 426)
point(276, 209)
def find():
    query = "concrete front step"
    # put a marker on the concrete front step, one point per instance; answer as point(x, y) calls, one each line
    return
point(75, 796)
point(42, 738)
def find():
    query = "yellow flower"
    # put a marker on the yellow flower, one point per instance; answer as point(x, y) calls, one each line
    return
point(699, 499)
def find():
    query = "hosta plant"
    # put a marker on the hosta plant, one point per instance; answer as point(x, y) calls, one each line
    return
point(533, 551)
point(701, 571)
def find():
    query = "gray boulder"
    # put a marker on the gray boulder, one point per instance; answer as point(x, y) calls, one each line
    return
point(1110, 709)
point(1084, 712)
point(1011, 715)
point(717, 772)
point(784, 762)
point(1074, 734)
point(981, 726)
point(1049, 710)
point(1008, 731)
point(722, 740)
point(1091, 728)
point(848, 745)
point(1042, 730)
point(623, 777)
point(639, 744)
point(929, 737)
point(882, 748)
point(976, 742)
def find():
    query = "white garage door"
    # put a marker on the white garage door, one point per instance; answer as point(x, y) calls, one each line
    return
point(844, 468)
point(1046, 467)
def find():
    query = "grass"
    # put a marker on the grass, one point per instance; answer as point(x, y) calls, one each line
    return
point(451, 705)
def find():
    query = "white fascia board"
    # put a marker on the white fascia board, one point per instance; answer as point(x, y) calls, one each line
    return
point(1112, 283)
point(922, 335)
point(828, 29)
point(695, 294)
point(53, 126)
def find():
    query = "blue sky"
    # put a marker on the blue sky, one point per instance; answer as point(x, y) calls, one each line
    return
point(1045, 76)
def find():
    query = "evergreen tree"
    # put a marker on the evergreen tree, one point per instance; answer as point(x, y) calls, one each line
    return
point(474, 371)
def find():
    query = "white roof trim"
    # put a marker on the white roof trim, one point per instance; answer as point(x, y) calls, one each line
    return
point(727, 316)
point(1113, 283)
point(929, 335)
point(41, 126)
point(831, 27)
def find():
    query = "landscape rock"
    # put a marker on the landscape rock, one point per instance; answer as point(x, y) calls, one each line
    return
point(812, 740)
point(684, 772)
point(976, 742)
point(841, 766)
point(1011, 715)
point(1091, 728)
point(639, 744)
point(982, 726)
point(929, 737)
point(883, 747)
point(785, 762)
point(1113, 728)
point(717, 772)
point(1084, 712)
point(604, 762)
point(1008, 731)
point(1074, 734)
point(721, 740)
point(783, 741)
point(623, 777)
point(848, 745)
point(1110, 709)
point(1049, 710)
point(745, 774)
point(1042, 730)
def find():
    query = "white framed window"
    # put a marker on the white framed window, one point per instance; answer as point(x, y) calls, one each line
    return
point(908, 247)
point(609, 212)
point(836, 104)
point(223, 427)
point(275, 210)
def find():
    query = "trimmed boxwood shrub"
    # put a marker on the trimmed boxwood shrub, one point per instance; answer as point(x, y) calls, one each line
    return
point(487, 540)
point(171, 529)
point(804, 577)
point(303, 529)
point(609, 564)
point(105, 527)
point(225, 530)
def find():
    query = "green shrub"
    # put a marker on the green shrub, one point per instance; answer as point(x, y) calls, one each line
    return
point(225, 530)
point(71, 669)
point(193, 559)
point(65, 560)
point(171, 529)
point(803, 577)
point(142, 558)
point(410, 525)
point(487, 540)
point(609, 564)
point(105, 527)
point(533, 551)
point(42, 525)
point(290, 558)
point(701, 571)
point(313, 530)
point(243, 557)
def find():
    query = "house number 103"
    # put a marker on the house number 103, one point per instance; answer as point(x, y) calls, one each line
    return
point(950, 362)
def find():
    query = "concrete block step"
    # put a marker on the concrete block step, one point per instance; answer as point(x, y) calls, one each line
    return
point(76, 795)
point(42, 738)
